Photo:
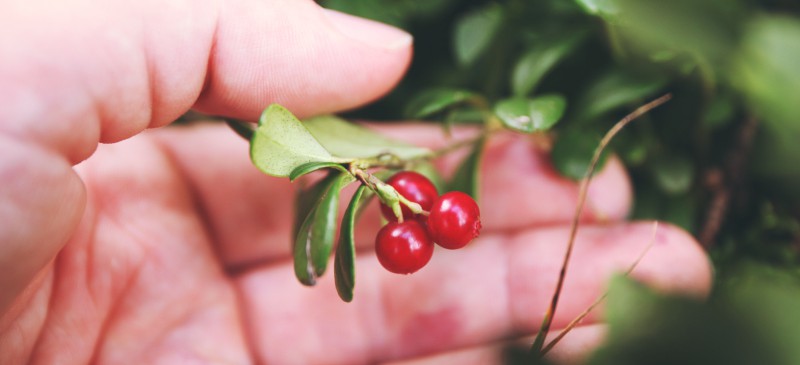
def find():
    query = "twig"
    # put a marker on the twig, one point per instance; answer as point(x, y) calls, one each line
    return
point(601, 298)
point(582, 192)
point(723, 183)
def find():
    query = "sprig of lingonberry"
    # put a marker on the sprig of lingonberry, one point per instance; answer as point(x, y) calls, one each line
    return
point(285, 147)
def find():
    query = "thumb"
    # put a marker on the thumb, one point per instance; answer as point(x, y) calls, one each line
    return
point(75, 73)
point(329, 60)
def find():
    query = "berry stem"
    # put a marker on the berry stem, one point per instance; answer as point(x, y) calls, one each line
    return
point(386, 193)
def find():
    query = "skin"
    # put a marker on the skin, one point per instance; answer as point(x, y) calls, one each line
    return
point(169, 247)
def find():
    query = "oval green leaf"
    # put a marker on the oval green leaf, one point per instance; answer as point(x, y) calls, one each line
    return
point(433, 101)
point(605, 8)
point(531, 115)
point(573, 152)
point(306, 199)
point(674, 174)
point(615, 89)
point(344, 269)
point(305, 204)
point(314, 239)
point(314, 166)
point(467, 176)
point(281, 143)
point(350, 141)
point(474, 32)
point(539, 60)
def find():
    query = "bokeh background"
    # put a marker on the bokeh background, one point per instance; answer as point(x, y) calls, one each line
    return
point(721, 159)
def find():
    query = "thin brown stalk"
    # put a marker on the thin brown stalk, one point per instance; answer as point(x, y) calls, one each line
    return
point(601, 298)
point(582, 192)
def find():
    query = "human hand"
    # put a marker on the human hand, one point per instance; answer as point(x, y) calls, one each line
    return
point(171, 248)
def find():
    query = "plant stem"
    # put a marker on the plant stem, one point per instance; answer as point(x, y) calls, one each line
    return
point(395, 162)
point(386, 193)
point(600, 299)
point(536, 348)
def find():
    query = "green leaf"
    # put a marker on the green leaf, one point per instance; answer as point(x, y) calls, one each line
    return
point(775, 294)
point(766, 71)
point(674, 174)
point(475, 31)
point(531, 115)
point(719, 112)
point(344, 264)
point(599, 7)
point(467, 176)
point(573, 152)
point(313, 166)
point(653, 329)
point(281, 143)
point(306, 199)
point(314, 239)
point(433, 101)
point(540, 59)
point(615, 89)
point(306, 202)
point(703, 30)
point(350, 141)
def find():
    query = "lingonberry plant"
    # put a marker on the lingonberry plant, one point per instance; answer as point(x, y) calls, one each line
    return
point(732, 63)
point(284, 146)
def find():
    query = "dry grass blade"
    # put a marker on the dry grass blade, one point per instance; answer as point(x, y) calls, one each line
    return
point(601, 298)
point(584, 187)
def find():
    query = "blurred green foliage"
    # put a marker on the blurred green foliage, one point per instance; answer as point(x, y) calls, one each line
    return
point(730, 64)
point(754, 321)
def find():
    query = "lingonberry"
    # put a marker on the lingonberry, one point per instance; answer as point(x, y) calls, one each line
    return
point(403, 248)
point(416, 188)
point(454, 220)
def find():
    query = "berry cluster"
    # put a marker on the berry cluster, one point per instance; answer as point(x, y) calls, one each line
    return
point(453, 220)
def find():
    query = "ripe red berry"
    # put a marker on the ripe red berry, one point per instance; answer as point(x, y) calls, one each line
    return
point(454, 220)
point(403, 248)
point(414, 187)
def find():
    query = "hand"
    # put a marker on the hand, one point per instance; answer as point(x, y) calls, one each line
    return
point(171, 248)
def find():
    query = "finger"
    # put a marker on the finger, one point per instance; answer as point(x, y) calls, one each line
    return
point(573, 349)
point(78, 72)
point(109, 70)
point(329, 62)
point(498, 287)
point(577, 345)
point(138, 283)
point(250, 214)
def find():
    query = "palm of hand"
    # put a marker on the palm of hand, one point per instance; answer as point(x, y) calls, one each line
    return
point(182, 257)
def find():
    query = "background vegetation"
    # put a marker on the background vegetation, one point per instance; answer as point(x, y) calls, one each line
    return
point(721, 159)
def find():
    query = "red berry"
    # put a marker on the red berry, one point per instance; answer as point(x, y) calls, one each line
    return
point(403, 248)
point(414, 187)
point(455, 220)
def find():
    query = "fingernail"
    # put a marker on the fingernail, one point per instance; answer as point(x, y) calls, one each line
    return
point(373, 33)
